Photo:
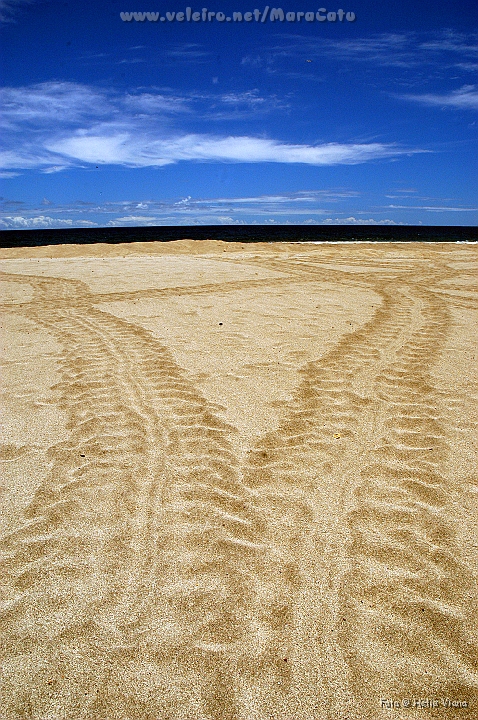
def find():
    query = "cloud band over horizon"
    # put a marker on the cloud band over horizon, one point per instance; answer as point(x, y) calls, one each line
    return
point(75, 124)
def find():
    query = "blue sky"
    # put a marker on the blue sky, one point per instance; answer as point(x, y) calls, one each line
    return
point(113, 123)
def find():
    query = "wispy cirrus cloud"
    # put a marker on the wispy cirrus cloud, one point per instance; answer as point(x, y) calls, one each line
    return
point(19, 222)
point(329, 206)
point(452, 41)
point(303, 196)
point(152, 103)
point(38, 105)
point(67, 103)
point(27, 157)
point(45, 222)
point(133, 220)
point(9, 7)
point(359, 221)
point(392, 49)
point(147, 151)
point(246, 105)
point(189, 53)
point(55, 125)
point(401, 50)
point(465, 97)
point(433, 208)
point(469, 66)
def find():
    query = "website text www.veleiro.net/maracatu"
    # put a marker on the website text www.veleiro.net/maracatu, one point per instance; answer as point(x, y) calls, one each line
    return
point(266, 15)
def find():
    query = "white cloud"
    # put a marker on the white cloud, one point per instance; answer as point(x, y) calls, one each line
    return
point(55, 125)
point(338, 206)
point(255, 61)
point(26, 157)
point(453, 42)
point(433, 208)
point(354, 221)
point(42, 221)
point(156, 102)
point(465, 97)
point(400, 49)
point(308, 196)
point(93, 148)
point(135, 219)
point(8, 7)
point(394, 49)
point(470, 66)
point(54, 169)
point(241, 105)
point(251, 98)
point(189, 53)
point(44, 103)
point(299, 207)
point(68, 103)
point(134, 151)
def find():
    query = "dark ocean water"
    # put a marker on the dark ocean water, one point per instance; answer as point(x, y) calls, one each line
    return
point(240, 233)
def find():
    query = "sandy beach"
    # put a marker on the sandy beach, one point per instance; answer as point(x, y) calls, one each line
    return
point(239, 481)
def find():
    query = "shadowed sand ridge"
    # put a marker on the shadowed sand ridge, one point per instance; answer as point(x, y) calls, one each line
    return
point(169, 565)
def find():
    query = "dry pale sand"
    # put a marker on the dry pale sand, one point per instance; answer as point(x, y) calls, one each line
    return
point(239, 482)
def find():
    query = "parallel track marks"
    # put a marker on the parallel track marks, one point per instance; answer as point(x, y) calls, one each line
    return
point(111, 527)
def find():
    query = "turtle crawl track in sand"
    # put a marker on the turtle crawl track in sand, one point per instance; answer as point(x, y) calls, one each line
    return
point(159, 573)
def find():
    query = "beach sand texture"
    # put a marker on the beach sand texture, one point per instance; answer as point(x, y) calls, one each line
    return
point(239, 481)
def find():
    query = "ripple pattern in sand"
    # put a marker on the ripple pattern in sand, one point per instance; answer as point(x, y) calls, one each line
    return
point(160, 574)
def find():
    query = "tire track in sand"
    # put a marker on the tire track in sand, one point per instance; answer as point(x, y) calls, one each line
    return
point(141, 549)
point(300, 470)
point(342, 606)
point(408, 595)
point(234, 596)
